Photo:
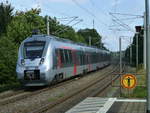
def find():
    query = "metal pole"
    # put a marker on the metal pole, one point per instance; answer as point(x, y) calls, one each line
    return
point(93, 25)
point(47, 25)
point(137, 55)
point(120, 62)
point(148, 54)
point(89, 41)
point(130, 51)
point(137, 51)
point(144, 42)
point(120, 55)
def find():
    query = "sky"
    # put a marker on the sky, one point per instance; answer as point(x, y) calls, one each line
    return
point(107, 16)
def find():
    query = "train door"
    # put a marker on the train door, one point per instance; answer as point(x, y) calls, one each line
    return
point(74, 56)
point(89, 62)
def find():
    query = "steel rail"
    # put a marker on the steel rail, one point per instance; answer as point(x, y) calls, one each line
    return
point(49, 106)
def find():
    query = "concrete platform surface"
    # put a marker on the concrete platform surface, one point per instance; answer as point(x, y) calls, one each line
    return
point(128, 106)
point(109, 105)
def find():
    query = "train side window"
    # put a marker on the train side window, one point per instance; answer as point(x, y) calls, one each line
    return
point(55, 58)
point(105, 56)
point(101, 57)
point(70, 56)
point(78, 58)
point(87, 59)
point(62, 56)
point(82, 59)
point(66, 56)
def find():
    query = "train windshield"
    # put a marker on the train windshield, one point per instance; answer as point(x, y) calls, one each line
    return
point(33, 49)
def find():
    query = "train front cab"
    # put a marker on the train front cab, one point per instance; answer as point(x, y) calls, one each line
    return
point(33, 67)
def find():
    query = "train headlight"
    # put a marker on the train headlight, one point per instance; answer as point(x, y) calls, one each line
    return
point(22, 62)
point(41, 61)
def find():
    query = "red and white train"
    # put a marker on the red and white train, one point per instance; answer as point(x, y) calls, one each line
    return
point(43, 59)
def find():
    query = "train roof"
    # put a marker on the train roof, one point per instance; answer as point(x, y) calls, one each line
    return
point(52, 37)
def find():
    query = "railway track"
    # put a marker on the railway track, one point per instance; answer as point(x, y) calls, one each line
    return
point(22, 94)
point(10, 93)
point(25, 94)
point(81, 93)
point(106, 85)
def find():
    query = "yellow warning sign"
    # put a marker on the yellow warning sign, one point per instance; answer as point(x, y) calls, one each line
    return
point(128, 81)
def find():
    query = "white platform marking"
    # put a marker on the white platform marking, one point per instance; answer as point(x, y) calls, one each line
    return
point(107, 105)
point(98, 105)
point(131, 100)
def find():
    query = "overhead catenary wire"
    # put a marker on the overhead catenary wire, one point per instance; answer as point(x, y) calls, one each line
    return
point(66, 18)
point(66, 24)
point(126, 19)
point(89, 12)
point(71, 26)
point(125, 14)
point(73, 18)
point(120, 24)
point(118, 21)
point(102, 12)
point(117, 29)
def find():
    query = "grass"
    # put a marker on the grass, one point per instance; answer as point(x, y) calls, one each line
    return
point(140, 90)
point(55, 98)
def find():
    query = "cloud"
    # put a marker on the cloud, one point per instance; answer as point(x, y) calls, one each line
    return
point(116, 2)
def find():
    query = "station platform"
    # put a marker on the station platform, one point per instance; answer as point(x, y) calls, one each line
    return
point(109, 105)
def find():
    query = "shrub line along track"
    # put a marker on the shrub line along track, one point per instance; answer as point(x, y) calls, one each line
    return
point(49, 106)
point(22, 94)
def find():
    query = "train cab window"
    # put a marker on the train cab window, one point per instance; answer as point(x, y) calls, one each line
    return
point(33, 49)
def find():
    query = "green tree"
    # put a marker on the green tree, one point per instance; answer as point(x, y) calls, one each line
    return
point(6, 14)
point(8, 58)
point(95, 37)
point(23, 23)
point(140, 49)
point(69, 33)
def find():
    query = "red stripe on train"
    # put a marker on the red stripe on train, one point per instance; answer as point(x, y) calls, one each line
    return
point(66, 47)
point(75, 69)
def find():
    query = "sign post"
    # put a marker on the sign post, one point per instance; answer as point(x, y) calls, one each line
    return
point(128, 81)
